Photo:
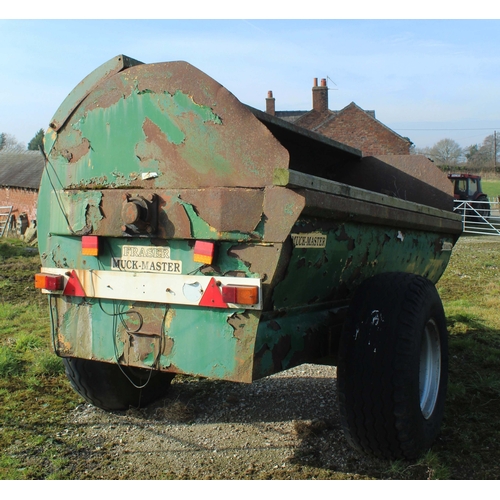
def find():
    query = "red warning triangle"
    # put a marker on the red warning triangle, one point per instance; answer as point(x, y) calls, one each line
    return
point(212, 296)
point(73, 286)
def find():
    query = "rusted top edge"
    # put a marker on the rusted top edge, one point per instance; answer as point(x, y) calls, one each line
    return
point(83, 89)
point(291, 178)
point(342, 208)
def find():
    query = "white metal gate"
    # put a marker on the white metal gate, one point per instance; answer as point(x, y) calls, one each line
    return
point(479, 217)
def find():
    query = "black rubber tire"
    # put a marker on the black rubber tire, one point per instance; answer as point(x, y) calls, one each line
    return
point(393, 321)
point(479, 210)
point(483, 207)
point(104, 385)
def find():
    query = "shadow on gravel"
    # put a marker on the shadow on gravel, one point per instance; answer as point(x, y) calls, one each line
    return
point(273, 399)
point(281, 427)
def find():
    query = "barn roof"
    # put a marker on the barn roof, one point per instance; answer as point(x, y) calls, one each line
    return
point(21, 169)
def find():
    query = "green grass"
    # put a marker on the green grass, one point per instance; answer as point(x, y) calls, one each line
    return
point(470, 290)
point(35, 396)
point(491, 187)
point(10, 363)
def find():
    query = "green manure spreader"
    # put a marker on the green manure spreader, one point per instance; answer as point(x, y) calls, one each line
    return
point(183, 232)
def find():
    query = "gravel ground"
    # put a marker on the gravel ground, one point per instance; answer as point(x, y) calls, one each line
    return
point(282, 427)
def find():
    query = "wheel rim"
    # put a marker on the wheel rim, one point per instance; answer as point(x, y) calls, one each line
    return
point(430, 369)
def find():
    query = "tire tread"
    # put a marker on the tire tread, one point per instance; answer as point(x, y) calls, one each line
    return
point(376, 372)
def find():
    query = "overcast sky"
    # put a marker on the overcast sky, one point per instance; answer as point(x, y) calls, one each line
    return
point(425, 79)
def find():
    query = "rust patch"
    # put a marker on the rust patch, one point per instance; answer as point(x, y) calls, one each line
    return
point(154, 134)
point(244, 326)
point(237, 151)
point(228, 209)
point(72, 147)
point(265, 261)
point(110, 92)
point(238, 322)
point(343, 236)
point(168, 345)
point(409, 177)
point(282, 208)
point(63, 346)
point(261, 259)
point(74, 314)
point(143, 334)
point(158, 149)
point(173, 221)
point(79, 151)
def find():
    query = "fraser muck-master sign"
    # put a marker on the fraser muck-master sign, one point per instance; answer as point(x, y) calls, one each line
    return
point(309, 240)
point(146, 259)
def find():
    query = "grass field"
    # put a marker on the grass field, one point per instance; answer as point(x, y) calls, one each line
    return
point(34, 394)
point(491, 187)
point(35, 397)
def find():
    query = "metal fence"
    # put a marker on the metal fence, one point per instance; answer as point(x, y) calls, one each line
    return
point(479, 217)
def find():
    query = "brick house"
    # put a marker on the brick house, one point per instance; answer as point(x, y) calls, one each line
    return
point(351, 125)
point(386, 165)
point(20, 174)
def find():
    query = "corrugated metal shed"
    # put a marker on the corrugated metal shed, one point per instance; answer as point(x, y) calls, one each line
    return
point(21, 169)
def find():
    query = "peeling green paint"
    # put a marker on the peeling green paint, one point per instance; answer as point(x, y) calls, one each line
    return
point(227, 263)
point(353, 253)
point(127, 145)
point(214, 355)
point(78, 338)
point(203, 231)
point(77, 211)
point(300, 336)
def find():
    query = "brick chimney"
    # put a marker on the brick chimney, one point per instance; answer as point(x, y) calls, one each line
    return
point(270, 106)
point(320, 96)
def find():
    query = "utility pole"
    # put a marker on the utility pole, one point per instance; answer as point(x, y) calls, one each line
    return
point(495, 151)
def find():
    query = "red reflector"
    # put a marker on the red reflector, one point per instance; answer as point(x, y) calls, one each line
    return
point(240, 294)
point(212, 296)
point(73, 286)
point(51, 282)
point(204, 252)
point(90, 245)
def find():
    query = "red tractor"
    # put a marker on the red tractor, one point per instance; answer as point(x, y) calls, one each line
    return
point(467, 187)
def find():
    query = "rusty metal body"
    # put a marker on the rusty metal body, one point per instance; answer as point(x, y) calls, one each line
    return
point(152, 158)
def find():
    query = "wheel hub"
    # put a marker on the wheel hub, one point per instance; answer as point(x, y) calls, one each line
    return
point(430, 369)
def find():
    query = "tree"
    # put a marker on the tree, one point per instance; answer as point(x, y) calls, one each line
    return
point(482, 157)
point(474, 157)
point(489, 149)
point(446, 153)
point(421, 151)
point(37, 142)
point(9, 143)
